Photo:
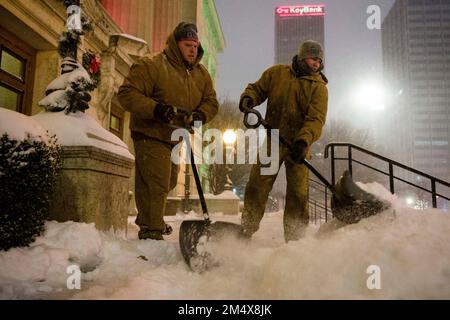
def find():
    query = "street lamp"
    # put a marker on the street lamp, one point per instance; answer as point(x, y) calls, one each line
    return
point(368, 99)
point(370, 96)
point(410, 201)
point(229, 137)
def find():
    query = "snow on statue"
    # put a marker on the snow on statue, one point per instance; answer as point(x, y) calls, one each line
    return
point(68, 91)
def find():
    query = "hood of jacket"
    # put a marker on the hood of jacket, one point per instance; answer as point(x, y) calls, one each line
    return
point(174, 55)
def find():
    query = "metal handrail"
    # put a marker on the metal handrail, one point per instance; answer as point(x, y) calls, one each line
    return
point(317, 210)
point(317, 204)
point(391, 163)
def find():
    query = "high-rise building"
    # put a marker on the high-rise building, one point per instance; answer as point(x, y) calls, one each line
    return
point(416, 63)
point(295, 24)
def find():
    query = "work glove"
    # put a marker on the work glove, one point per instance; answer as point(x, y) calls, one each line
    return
point(195, 116)
point(164, 112)
point(299, 151)
point(246, 103)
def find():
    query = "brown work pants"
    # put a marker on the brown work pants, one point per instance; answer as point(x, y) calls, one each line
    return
point(155, 176)
point(296, 214)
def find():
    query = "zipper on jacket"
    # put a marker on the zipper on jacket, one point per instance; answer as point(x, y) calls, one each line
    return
point(189, 87)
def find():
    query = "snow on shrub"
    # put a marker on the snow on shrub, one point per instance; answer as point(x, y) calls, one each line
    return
point(28, 170)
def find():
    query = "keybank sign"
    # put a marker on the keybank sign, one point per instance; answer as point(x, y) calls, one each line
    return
point(295, 11)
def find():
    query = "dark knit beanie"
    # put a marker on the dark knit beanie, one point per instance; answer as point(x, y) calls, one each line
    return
point(186, 31)
point(310, 49)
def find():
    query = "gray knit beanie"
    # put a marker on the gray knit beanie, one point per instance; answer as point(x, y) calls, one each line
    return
point(310, 49)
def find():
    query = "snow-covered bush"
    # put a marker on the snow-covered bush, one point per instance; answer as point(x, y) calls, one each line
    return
point(28, 170)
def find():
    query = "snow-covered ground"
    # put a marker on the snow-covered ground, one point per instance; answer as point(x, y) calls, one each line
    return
point(410, 247)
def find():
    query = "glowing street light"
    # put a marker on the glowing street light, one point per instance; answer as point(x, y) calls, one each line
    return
point(409, 201)
point(371, 96)
point(229, 137)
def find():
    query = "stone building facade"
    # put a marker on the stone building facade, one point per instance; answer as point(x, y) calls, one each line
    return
point(124, 30)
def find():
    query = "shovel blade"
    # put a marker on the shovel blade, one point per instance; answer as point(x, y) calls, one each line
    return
point(350, 203)
point(196, 234)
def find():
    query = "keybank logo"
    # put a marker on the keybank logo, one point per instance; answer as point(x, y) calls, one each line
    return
point(286, 11)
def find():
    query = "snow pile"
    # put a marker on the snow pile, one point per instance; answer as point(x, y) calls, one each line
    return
point(74, 129)
point(82, 241)
point(41, 270)
point(43, 265)
point(80, 129)
point(383, 194)
point(18, 126)
point(410, 247)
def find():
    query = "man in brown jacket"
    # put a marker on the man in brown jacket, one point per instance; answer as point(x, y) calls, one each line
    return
point(297, 106)
point(155, 89)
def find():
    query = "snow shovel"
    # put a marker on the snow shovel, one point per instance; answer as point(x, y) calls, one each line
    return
point(196, 235)
point(349, 202)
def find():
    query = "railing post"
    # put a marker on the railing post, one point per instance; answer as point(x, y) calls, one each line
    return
point(315, 212)
point(309, 211)
point(433, 193)
point(391, 177)
point(350, 165)
point(333, 178)
point(326, 204)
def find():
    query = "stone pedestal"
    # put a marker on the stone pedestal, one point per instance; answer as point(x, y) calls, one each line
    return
point(95, 179)
point(93, 187)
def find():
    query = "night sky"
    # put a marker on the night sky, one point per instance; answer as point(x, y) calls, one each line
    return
point(352, 51)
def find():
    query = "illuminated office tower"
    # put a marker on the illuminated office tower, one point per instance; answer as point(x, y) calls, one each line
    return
point(295, 24)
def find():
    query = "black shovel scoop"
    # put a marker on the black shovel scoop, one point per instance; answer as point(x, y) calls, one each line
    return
point(349, 203)
point(197, 235)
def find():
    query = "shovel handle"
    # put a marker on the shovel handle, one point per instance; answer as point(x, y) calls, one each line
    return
point(197, 183)
point(266, 125)
point(318, 175)
point(247, 112)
